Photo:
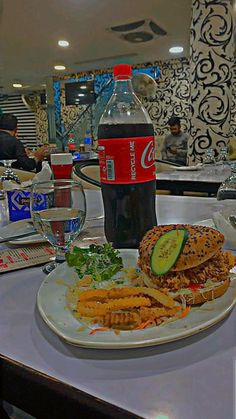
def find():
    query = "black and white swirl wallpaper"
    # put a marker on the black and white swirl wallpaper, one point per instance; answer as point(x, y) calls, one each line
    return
point(172, 96)
point(211, 62)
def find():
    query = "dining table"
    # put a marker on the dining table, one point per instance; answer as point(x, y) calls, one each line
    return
point(205, 179)
point(190, 378)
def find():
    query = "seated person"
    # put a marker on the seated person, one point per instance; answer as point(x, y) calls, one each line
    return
point(13, 149)
point(175, 145)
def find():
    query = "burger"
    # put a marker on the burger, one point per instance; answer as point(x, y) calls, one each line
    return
point(187, 261)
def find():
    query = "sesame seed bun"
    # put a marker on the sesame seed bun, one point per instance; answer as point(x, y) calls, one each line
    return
point(202, 243)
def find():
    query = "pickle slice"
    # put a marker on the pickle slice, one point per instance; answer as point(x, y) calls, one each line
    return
point(167, 250)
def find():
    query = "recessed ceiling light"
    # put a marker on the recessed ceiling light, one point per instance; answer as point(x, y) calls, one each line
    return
point(81, 94)
point(83, 87)
point(59, 67)
point(176, 50)
point(63, 43)
point(17, 85)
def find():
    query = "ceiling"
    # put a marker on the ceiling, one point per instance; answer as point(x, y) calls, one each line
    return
point(30, 30)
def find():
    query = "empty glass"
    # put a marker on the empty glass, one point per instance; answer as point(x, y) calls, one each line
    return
point(58, 209)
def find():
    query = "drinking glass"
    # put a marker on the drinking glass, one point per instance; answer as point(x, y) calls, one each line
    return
point(8, 173)
point(209, 157)
point(223, 155)
point(227, 189)
point(61, 165)
point(58, 209)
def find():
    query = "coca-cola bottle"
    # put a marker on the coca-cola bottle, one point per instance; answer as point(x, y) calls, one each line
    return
point(127, 164)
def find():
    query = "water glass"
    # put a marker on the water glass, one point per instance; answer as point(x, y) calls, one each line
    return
point(58, 209)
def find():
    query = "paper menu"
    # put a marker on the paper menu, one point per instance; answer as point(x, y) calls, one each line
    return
point(12, 259)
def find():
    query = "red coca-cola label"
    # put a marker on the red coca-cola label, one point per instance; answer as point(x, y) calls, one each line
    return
point(127, 160)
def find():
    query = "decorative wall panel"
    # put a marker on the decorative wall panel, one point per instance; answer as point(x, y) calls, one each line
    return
point(211, 60)
point(172, 96)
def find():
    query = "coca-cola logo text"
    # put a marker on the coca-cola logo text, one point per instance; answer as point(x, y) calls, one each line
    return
point(147, 159)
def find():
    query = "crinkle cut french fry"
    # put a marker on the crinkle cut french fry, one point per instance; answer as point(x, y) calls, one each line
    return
point(154, 313)
point(93, 309)
point(126, 292)
point(124, 320)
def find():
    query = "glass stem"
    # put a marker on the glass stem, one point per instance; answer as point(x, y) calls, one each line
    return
point(60, 254)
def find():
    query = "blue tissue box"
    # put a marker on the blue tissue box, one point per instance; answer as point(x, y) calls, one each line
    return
point(19, 204)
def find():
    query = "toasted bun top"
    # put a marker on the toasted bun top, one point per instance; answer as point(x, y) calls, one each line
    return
point(202, 243)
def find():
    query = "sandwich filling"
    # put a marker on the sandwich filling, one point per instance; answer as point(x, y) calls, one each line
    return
point(215, 269)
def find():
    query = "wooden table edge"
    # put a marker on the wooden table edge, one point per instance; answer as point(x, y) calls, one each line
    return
point(45, 397)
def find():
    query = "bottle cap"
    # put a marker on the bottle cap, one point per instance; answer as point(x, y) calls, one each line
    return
point(122, 71)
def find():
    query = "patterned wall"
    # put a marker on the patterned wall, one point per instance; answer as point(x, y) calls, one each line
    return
point(40, 115)
point(172, 96)
point(41, 121)
point(211, 61)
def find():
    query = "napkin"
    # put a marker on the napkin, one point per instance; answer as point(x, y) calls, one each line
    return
point(222, 223)
point(44, 175)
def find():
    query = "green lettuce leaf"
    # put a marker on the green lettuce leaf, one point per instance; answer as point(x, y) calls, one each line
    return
point(101, 262)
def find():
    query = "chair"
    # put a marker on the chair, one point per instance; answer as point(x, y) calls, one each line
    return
point(88, 173)
point(165, 166)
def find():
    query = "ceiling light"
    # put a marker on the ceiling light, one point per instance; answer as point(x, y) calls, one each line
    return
point(81, 94)
point(59, 67)
point(176, 50)
point(17, 85)
point(83, 87)
point(63, 43)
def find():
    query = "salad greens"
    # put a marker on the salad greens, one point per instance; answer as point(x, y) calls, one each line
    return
point(101, 262)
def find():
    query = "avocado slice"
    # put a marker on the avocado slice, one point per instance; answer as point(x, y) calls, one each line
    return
point(167, 250)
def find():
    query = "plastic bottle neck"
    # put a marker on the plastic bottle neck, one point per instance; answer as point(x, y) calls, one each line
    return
point(122, 86)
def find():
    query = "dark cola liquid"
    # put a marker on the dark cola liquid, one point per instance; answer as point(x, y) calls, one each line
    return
point(129, 209)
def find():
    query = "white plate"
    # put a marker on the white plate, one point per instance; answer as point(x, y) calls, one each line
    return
point(189, 168)
point(51, 303)
point(206, 223)
point(21, 227)
point(37, 238)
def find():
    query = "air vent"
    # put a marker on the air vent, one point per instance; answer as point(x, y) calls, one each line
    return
point(137, 37)
point(128, 26)
point(137, 32)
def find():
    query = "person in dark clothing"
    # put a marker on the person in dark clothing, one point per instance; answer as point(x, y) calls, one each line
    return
point(175, 145)
point(13, 149)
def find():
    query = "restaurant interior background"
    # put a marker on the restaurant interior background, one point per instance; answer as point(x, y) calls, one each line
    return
point(29, 52)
